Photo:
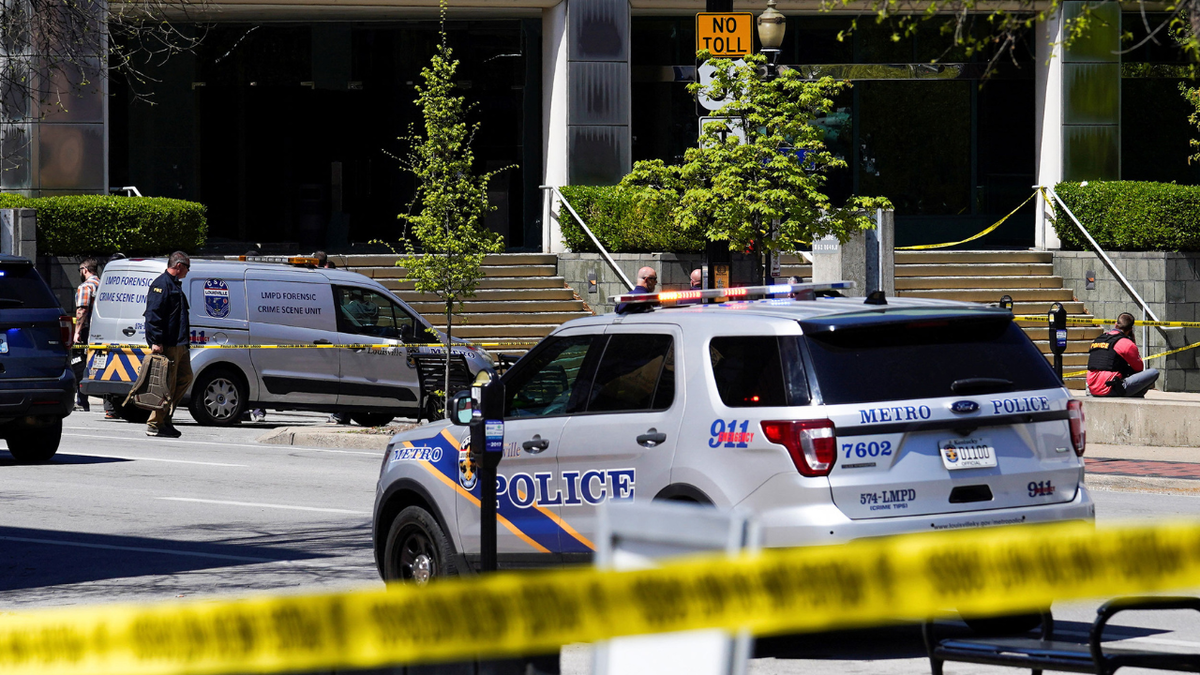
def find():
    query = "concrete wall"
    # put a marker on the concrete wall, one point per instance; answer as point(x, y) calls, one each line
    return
point(1170, 285)
point(674, 270)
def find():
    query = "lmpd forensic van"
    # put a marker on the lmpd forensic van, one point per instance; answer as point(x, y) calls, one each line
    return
point(829, 418)
point(312, 311)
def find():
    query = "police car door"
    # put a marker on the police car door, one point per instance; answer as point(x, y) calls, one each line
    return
point(372, 378)
point(541, 391)
point(622, 443)
point(292, 308)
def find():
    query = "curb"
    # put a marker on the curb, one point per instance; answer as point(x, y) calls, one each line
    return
point(325, 438)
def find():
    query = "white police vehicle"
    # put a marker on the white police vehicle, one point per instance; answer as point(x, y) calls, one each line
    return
point(830, 418)
point(263, 302)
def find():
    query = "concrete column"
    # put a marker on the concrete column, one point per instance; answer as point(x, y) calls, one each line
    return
point(1048, 122)
point(18, 232)
point(867, 258)
point(554, 120)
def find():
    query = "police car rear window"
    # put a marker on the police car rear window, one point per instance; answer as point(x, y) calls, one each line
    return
point(754, 371)
point(925, 359)
point(22, 287)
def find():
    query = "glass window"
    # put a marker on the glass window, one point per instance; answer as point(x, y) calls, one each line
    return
point(547, 384)
point(21, 286)
point(629, 374)
point(365, 312)
point(756, 371)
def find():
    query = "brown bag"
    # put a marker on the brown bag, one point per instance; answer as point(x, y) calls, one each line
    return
point(152, 390)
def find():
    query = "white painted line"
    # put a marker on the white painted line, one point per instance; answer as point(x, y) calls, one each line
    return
point(264, 506)
point(256, 446)
point(138, 549)
point(156, 459)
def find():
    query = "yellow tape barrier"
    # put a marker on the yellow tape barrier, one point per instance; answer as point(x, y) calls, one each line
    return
point(863, 583)
point(998, 223)
point(1105, 322)
point(1081, 373)
point(432, 345)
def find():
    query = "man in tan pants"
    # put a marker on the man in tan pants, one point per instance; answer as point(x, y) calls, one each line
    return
point(168, 332)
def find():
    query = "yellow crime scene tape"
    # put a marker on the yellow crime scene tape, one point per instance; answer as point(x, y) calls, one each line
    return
point(1081, 373)
point(998, 223)
point(430, 345)
point(863, 583)
point(1105, 322)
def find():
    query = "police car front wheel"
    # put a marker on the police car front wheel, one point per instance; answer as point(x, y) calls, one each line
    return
point(417, 550)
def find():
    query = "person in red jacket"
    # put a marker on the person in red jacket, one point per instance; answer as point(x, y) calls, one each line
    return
point(1114, 366)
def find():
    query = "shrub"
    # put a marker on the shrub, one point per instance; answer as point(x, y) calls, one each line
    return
point(625, 220)
point(101, 224)
point(1130, 215)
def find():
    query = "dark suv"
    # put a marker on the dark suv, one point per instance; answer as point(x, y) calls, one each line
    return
point(37, 387)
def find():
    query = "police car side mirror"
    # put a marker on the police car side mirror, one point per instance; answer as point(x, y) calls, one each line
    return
point(462, 408)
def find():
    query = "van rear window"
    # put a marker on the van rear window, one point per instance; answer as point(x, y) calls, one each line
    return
point(22, 287)
point(926, 359)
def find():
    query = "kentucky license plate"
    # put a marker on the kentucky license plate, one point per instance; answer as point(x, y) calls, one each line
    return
point(967, 453)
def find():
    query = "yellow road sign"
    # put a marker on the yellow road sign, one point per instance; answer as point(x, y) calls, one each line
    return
point(725, 34)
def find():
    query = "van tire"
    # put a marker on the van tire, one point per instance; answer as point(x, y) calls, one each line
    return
point(218, 398)
point(130, 412)
point(34, 443)
point(417, 550)
point(372, 419)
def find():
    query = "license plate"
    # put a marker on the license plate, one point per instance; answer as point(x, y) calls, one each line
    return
point(967, 453)
point(100, 360)
point(3, 343)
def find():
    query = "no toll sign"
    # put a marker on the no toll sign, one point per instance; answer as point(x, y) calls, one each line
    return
point(725, 34)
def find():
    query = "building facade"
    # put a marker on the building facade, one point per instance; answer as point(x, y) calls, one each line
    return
point(290, 120)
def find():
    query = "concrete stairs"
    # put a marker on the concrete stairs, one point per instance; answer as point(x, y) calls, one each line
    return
point(521, 297)
point(795, 266)
point(984, 276)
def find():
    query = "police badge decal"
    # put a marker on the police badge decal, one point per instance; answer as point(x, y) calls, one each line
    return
point(468, 473)
point(216, 298)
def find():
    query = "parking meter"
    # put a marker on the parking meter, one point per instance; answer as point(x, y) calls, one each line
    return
point(487, 448)
point(1006, 302)
point(1058, 336)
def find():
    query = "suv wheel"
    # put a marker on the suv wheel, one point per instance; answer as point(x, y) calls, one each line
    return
point(34, 442)
point(417, 550)
point(371, 419)
point(218, 398)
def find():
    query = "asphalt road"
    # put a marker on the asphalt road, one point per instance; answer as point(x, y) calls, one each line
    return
point(119, 516)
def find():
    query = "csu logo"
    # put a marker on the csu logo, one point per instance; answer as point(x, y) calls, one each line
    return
point(216, 298)
point(964, 407)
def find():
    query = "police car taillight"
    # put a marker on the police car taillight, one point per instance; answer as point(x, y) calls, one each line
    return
point(1078, 426)
point(66, 331)
point(811, 443)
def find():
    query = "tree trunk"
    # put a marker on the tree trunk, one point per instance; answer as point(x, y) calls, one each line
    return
point(449, 328)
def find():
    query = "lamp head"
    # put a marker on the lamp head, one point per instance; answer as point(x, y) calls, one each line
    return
point(771, 26)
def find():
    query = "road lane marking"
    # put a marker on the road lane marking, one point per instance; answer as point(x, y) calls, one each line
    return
point(137, 549)
point(264, 506)
point(154, 459)
point(256, 446)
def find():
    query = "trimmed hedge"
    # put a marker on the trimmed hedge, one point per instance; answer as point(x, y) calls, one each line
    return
point(103, 224)
point(625, 220)
point(1130, 215)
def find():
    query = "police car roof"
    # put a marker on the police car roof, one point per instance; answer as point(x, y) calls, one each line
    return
point(842, 311)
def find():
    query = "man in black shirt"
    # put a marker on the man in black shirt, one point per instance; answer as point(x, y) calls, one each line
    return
point(168, 332)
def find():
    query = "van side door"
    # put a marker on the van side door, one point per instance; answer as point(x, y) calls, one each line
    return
point(375, 378)
point(292, 308)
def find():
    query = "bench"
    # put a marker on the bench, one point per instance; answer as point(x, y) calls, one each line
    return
point(1046, 653)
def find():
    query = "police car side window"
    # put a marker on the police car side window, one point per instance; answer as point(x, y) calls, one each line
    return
point(629, 374)
point(544, 386)
point(757, 371)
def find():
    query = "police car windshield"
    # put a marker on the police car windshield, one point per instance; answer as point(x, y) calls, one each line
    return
point(21, 286)
point(925, 359)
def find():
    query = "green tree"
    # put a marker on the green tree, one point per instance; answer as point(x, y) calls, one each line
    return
point(1192, 95)
point(765, 194)
point(451, 200)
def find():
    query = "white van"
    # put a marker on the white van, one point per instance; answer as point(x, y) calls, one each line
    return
point(257, 303)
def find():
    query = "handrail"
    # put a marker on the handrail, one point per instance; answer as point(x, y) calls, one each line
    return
point(1112, 268)
point(600, 247)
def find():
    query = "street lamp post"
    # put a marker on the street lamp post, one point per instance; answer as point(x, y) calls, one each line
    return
point(771, 26)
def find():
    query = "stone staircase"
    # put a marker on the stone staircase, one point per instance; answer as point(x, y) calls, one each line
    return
point(521, 297)
point(984, 276)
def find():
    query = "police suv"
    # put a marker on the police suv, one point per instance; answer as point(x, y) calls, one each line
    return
point(261, 302)
point(830, 418)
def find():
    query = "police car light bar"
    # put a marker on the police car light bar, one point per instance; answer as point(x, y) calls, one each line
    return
point(286, 259)
point(739, 292)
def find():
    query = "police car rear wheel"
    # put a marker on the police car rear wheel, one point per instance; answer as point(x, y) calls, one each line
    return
point(218, 399)
point(417, 550)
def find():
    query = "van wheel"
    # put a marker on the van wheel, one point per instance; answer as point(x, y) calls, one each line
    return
point(130, 412)
point(371, 419)
point(417, 551)
point(34, 443)
point(218, 398)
